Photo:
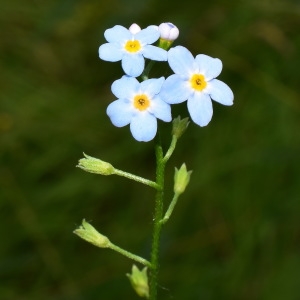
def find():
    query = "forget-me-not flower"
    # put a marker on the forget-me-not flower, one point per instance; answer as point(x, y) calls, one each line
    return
point(194, 81)
point(131, 46)
point(139, 105)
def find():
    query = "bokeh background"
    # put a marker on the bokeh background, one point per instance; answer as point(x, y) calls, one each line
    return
point(235, 233)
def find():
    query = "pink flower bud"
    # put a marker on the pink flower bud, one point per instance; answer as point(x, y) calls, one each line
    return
point(168, 31)
point(134, 28)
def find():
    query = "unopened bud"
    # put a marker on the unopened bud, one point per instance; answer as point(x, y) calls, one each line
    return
point(168, 34)
point(134, 28)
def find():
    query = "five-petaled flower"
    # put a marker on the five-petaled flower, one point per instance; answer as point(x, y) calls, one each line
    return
point(194, 81)
point(138, 104)
point(132, 46)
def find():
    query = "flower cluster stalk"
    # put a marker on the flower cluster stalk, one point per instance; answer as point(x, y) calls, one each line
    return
point(157, 226)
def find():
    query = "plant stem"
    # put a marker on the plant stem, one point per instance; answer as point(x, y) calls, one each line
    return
point(136, 178)
point(170, 209)
point(130, 255)
point(146, 72)
point(171, 148)
point(158, 213)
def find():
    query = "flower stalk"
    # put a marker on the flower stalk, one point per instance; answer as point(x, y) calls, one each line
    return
point(157, 226)
point(137, 178)
point(170, 209)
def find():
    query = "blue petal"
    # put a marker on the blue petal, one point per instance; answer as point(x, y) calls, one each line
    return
point(117, 34)
point(160, 109)
point(175, 90)
point(152, 86)
point(200, 108)
point(133, 64)
point(143, 127)
point(110, 52)
point(120, 112)
point(155, 53)
point(125, 87)
point(148, 35)
point(181, 61)
point(220, 92)
point(208, 66)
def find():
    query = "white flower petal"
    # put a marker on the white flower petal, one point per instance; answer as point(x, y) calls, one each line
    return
point(220, 92)
point(110, 52)
point(152, 86)
point(161, 109)
point(117, 34)
point(133, 64)
point(120, 112)
point(175, 90)
point(208, 66)
point(153, 26)
point(200, 108)
point(125, 88)
point(143, 127)
point(181, 61)
point(148, 35)
point(155, 53)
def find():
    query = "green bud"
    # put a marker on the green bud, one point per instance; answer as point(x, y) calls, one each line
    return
point(179, 126)
point(88, 233)
point(139, 281)
point(181, 179)
point(95, 165)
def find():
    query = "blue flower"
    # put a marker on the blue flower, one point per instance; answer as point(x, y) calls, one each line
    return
point(139, 105)
point(194, 81)
point(131, 46)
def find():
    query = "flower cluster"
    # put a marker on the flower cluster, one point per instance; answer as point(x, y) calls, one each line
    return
point(140, 104)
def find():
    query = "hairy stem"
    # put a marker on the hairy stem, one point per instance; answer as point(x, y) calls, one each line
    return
point(136, 178)
point(130, 255)
point(170, 209)
point(158, 214)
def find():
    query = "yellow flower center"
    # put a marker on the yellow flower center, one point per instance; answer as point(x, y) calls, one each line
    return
point(141, 102)
point(133, 46)
point(198, 82)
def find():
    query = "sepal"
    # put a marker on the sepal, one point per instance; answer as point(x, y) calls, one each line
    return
point(88, 233)
point(179, 126)
point(139, 281)
point(94, 165)
point(181, 179)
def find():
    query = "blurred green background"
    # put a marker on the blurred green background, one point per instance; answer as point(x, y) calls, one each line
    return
point(235, 233)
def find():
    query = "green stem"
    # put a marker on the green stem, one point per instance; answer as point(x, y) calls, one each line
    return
point(170, 209)
point(171, 149)
point(130, 255)
point(146, 72)
point(158, 213)
point(136, 178)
